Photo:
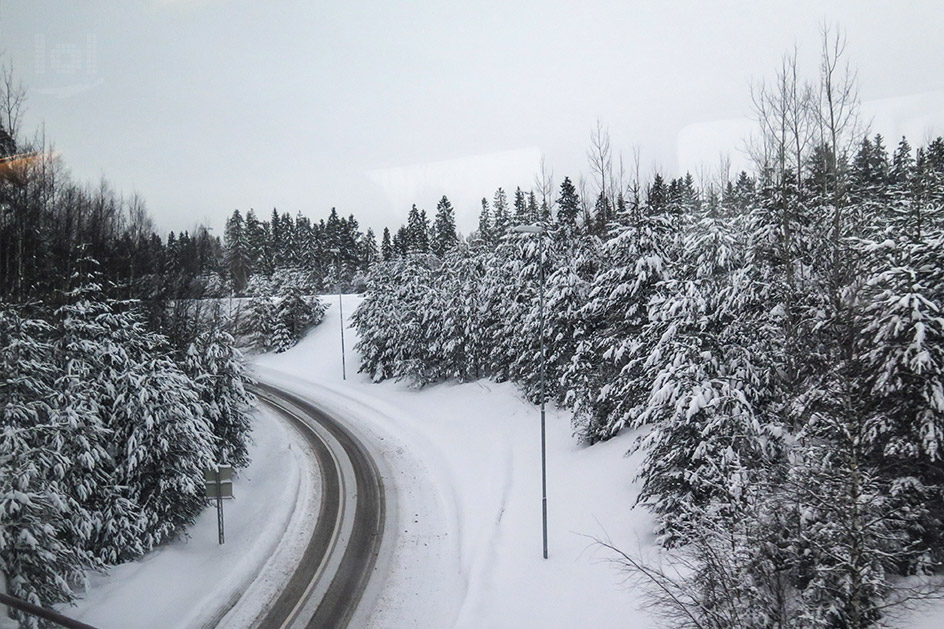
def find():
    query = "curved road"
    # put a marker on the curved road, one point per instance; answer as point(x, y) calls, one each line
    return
point(339, 559)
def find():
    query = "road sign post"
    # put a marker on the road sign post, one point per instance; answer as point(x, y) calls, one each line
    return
point(219, 485)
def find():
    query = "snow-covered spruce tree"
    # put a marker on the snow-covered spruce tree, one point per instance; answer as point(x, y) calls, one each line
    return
point(860, 463)
point(294, 315)
point(928, 208)
point(848, 532)
point(638, 254)
point(259, 323)
point(899, 364)
point(575, 262)
point(903, 356)
point(237, 255)
point(373, 319)
point(411, 352)
point(430, 335)
point(261, 286)
point(164, 443)
point(444, 238)
point(216, 367)
point(91, 362)
point(145, 481)
point(37, 560)
point(510, 295)
point(729, 572)
point(571, 260)
point(452, 316)
point(389, 319)
point(705, 439)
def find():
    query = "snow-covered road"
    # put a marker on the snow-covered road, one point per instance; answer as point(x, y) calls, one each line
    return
point(327, 586)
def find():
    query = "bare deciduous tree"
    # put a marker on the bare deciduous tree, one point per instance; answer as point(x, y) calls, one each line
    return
point(786, 114)
point(585, 204)
point(601, 158)
point(544, 183)
point(12, 99)
point(839, 122)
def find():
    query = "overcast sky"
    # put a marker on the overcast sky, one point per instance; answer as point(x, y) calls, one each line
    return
point(205, 106)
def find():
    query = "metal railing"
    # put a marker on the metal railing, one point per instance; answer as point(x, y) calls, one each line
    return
point(42, 612)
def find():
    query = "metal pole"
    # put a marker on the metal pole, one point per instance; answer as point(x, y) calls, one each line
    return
point(343, 362)
point(4, 611)
point(219, 504)
point(539, 230)
point(543, 441)
point(341, 312)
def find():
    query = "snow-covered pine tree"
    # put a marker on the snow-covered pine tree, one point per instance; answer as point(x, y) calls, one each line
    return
point(294, 315)
point(217, 368)
point(451, 316)
point(91, 363)
point(260, 323)
point(388, 320)
point(163, 444)
point(638, 255)
point(38, 560)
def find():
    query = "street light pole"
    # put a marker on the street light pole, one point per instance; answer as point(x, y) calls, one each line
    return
point(537, 229)
point(337, 261)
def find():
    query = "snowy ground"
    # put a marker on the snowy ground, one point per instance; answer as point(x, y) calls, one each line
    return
point(463, 549)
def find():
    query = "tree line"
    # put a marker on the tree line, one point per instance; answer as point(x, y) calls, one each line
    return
point(114, 398)
point(265, 257)
point(774, 341)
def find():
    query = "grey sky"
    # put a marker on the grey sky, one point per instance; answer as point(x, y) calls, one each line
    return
point(203, 106)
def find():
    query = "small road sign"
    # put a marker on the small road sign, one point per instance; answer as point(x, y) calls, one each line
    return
point(218, 482)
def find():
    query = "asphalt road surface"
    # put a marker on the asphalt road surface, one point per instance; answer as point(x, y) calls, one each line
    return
point(339, 559)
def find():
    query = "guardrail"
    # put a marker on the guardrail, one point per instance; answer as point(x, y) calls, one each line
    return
point(42, 612)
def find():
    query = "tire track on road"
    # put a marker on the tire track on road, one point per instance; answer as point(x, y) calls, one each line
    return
point(350, 480)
